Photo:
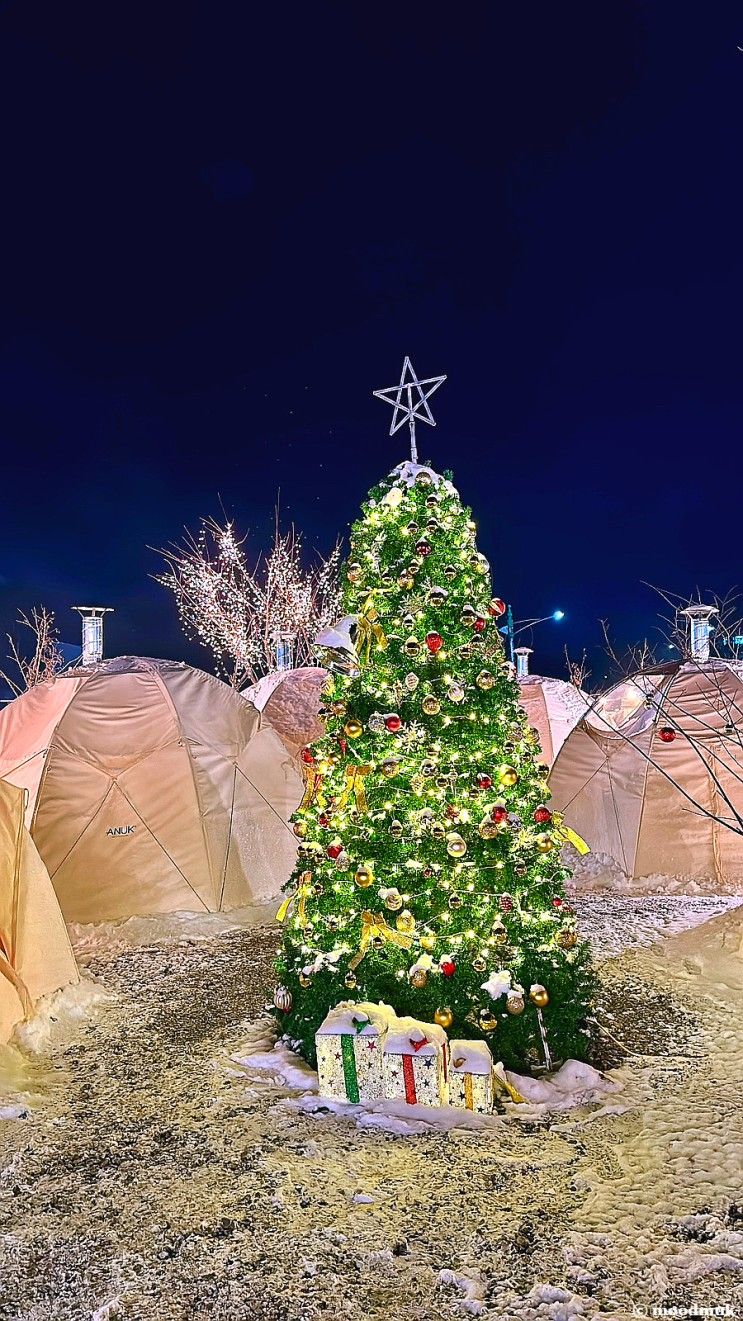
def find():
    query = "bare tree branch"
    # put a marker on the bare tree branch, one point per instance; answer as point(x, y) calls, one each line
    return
point(46, 659)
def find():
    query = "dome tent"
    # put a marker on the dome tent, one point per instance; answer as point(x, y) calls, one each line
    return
point(153, 787)
point(35, 953)
point(290, 702)
point(654, 770)
point(553, 707)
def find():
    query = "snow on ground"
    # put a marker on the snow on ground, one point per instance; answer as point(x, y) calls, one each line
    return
point(157, 1176)
point(598, 873)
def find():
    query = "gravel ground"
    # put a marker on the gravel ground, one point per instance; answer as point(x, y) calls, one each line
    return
point(150, 1182)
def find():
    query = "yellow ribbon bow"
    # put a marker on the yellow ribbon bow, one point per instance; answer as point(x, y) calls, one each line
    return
point(299, 896)
point(312, 787)
point(355, 776)
point(374, 926)
point(369, 630)
point(568, 836)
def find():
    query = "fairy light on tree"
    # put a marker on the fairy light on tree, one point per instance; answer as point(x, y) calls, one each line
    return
point(429, 874)
point(253, 618)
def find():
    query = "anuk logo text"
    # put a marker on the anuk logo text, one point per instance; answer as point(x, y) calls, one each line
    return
point(120, 830)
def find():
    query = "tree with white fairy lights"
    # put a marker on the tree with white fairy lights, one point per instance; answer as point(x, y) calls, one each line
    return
point(246, 614)
point(429, 874)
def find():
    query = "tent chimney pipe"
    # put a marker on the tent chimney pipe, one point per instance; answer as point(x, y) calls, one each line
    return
point(522, 655)
point(92, 617)
point(699, 629)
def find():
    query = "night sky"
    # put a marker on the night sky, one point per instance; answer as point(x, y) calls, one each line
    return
point(225, 225)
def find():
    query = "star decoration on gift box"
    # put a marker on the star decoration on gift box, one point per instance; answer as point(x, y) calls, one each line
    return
point(410, 402)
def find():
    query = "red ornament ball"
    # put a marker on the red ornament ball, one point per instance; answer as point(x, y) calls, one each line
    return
point(323, 820)
point(497, 607)
point(499, 813)
point(506, 903)
point(479, 624)
point(428, 872)
point(423, 548)
point(434, 642)
point(334, 850)
point(557, 903)
point(307, 757)
point(393, 723)
point(542, 816)
point(666, 734)
point(484, 781)
point(448, 967)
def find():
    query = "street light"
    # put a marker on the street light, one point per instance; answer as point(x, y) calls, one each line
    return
point(513, 627)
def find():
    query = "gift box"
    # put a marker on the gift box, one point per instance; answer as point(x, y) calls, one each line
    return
point(414, 1062)
point(471, 1076)
point(349, 1051)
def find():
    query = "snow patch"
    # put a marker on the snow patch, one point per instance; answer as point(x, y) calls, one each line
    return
point(599, 873)
point(59, 1014)
point(472, 1288)
point(108, 939)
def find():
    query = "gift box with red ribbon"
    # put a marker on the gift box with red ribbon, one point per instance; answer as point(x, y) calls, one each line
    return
point(415, 1062)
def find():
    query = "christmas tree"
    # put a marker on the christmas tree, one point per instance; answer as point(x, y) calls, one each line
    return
point(428, 874)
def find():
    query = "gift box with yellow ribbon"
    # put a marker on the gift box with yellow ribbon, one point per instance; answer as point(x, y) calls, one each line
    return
point(349, 1045)
point(415, 1062)
point(471, 1076)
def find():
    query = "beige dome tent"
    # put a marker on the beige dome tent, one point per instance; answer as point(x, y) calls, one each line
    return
point(153, 787)
point(35, 953)
point(290, 702)
point(653, 774)
point(553, 707)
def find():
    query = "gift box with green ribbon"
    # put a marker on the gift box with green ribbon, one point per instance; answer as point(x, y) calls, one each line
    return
point(349, 1045)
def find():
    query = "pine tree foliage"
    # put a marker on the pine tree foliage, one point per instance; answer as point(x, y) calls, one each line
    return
point(429, 873)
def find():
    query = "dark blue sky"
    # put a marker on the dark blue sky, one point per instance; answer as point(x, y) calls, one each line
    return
point(224, 227)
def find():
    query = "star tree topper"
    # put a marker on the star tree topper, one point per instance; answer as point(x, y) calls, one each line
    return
point(410, 402)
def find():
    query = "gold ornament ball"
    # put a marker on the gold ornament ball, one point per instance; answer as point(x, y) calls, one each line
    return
point(411, 647)
point(338, 708)
point(468, 614)
point(282, 998)
point(455, 845)
point(508, 776)
point(539, 996)
point(428, 768)
point(432, 500)
point(498, 932)
point(450, 571)
point(364, 877)
point(413, 527)
point(438, 830)
point(304, 980)
point(353, 572)
point(396, 829)
point(350, 981)
point(485, 680)
point(393, 901)
point(515, 1002)
point(405, 922)
point(318, 889)
point(567, 939)
point(488, 829)
point(444, 1017)
point(423, 478)
point(405, 581)
point(428, 943)
point(300, 829)
point(431, 706)
point(419, 978)
point(544, 843)
point(353, 728)
point(437, 596)
point(479, 963)
point(455, 693)
point(487, 1020)
point(390, 767)
point(455, 901)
